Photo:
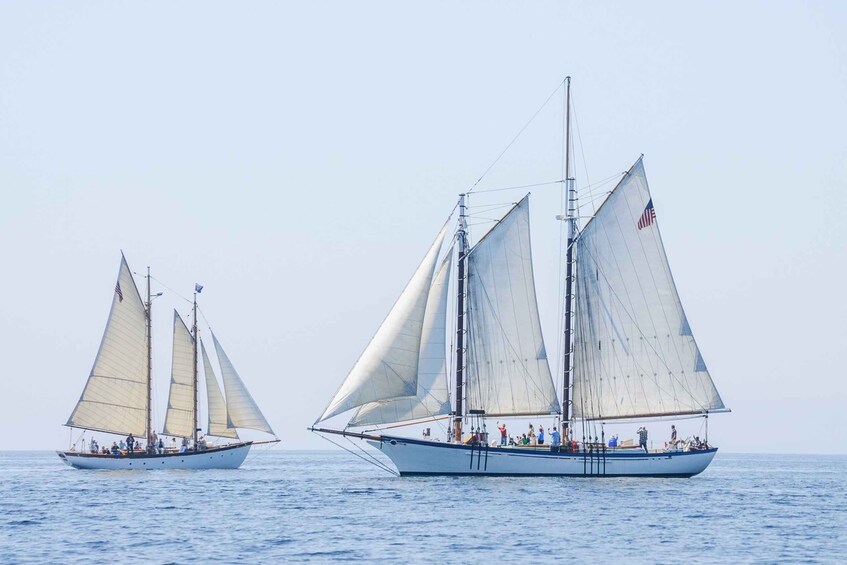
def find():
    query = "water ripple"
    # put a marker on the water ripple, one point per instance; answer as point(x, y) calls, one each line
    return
point(327, 506)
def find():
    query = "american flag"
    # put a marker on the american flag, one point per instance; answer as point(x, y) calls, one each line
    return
point(648, 217)
point(118, 291)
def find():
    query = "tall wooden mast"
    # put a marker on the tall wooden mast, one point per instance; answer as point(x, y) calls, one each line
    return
point(461, 236)
point(149, 365)
point(194, 367)
point(570, 195)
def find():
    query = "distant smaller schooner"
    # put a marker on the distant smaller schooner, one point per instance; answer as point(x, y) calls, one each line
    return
point(628, 353)
point(117, 397)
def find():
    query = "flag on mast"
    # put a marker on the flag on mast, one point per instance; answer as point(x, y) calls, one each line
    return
point(198, 288)
point(119, 292)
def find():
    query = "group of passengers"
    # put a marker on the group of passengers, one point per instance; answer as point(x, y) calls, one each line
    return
point(156, 446)
point(530, 438)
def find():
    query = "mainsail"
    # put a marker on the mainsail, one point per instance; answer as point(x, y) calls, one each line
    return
point(388, 368)
point(634, 353)
point(507, 369)
point(432, 398)
point(116, 397)
point(241, 408)
point(179, 419)
point(219, 424)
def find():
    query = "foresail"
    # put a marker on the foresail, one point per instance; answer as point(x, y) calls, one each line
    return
point(507, 368)
point(115, 398)
point(241, 408)
point(432, 398)
point(388, 368)
point(634, 353)
point(219, 424)
point(179, 418)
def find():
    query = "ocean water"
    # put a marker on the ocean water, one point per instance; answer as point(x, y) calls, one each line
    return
point(288, 506)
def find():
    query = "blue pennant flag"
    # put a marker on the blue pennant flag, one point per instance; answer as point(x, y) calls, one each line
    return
point(198, 288)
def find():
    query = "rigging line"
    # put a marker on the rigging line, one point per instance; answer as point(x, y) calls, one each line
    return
point(489, 207)
point(485, 220)
point(171, 290)
point(519, 186)
point(509, 146)
point(376, 464)
point(581, 146)
point(373, 459)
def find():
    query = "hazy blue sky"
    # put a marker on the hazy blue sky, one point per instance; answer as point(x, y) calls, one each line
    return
point(298, 158)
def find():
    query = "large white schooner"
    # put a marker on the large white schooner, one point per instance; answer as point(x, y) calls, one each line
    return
point(117, 397)
point(628, 351)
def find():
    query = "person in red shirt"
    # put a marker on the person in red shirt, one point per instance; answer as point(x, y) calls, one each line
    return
point(503, 435)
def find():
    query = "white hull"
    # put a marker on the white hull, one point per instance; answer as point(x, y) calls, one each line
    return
point(226, 457)
point(415, 457)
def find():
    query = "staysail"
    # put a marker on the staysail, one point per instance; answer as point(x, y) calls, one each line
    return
point(179, 418)
point(432, 398)
point(115, 398)
point(388, 368)
point(219, 424)
point(634, 353)
point(241, 409)
point(507, 369)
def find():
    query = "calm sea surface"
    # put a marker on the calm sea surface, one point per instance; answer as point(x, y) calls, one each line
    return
point(323, 506)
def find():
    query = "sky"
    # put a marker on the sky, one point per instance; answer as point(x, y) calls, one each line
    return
point(297, 159)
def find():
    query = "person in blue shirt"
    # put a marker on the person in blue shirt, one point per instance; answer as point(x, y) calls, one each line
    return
point(557, 440)
point(540, 435)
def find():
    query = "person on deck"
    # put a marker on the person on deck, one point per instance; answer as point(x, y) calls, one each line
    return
point(556, 438)
point(130, 443)
point(673, 435)
point(642, 438)
point(161, 447)
point(94, 448)
point(115, 448)
point(504, 436)
point(540, 435)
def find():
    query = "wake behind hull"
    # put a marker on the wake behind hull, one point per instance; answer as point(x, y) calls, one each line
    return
point(414, 457)
point(226, 457)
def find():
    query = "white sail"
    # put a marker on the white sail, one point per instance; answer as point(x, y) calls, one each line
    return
point(634, 354)
point(241, 409)
point(507, 368)
point(432, 398)
point(219, 424)
point(116, 397)
point(179, 418)
point(388, 368)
